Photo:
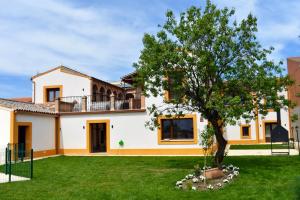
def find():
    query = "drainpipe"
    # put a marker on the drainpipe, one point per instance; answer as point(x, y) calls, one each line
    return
point(278, 118)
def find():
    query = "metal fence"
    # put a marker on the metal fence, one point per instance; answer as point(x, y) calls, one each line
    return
point(16, 163)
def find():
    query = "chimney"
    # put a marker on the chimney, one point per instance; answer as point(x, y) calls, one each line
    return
point(278, 118)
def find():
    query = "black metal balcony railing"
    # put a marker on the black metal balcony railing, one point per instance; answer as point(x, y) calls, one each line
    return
point(91, 104)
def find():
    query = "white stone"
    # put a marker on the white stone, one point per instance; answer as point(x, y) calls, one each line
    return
point(183, 180)
point(225, 170)
point(202, 178)
point(178, 183)
point(210, 187)
point(194, 188)
point(235, 173)
point(190, 176)
point(195, 180)
point(230, 176)
point(219, 184)
point(225, 181)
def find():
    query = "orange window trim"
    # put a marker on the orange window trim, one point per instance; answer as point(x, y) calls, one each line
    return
point(88, 134)
point(45, 88)
point(179, 142)
point(241, 131)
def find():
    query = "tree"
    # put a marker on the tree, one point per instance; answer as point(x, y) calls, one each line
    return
point(213, 65)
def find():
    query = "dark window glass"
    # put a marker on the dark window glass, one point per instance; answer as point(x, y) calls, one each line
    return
point(177, 129)
point(53, 94)
point(246, 131)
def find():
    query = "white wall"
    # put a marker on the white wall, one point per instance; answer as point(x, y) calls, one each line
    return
point(43, 130)
point(296, 111)
point(232, 132)
point(4, 128)
point(129, 127)
point(72, 85)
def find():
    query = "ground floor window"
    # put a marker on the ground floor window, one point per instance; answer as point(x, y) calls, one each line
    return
point(178, 129)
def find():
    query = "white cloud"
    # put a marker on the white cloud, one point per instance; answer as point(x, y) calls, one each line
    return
point(35, 35)
point(278, 22)
point(104, 41)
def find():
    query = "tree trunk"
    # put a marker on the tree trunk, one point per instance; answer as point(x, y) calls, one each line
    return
point(219, 157)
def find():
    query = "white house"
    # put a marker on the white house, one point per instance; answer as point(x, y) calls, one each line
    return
point(93, 116)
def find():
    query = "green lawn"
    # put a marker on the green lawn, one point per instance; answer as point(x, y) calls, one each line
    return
point(259, 146)
point(59, 178)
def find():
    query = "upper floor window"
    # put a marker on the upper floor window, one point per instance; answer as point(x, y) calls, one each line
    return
point(245, 131)
point(174, 91)
point(52, 94)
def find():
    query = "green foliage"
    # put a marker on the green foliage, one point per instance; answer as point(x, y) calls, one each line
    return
point(216, 65)
point(197, 170)
point(207, 138)
point(294, 117)
point(189, 185)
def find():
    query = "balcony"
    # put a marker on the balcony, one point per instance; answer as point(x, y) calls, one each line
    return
point(92, 104)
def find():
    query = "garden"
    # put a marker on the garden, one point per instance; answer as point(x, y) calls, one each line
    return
point(260, 177)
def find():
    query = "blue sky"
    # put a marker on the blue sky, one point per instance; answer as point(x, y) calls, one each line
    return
point(103, 38)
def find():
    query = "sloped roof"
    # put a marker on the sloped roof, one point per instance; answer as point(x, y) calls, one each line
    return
point(28, 107)
point(22, 99)
point(64, 69)
point(296, 59)
point(73, 72)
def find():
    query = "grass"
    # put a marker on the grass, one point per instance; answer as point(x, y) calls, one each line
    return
point(263, 177)
point(259, 146)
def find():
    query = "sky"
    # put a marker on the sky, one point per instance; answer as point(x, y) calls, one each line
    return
point(103, 38)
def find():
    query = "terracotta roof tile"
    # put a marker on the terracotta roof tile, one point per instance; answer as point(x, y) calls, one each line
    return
point(28, 107)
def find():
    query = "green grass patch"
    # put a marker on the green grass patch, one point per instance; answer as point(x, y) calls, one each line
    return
point(259, 146)
point(88, 178)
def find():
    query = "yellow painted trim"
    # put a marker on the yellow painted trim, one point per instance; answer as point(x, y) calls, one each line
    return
point(57, 134)
point(88, 134)
point(51, 87)
point(175, 151)
point(241, 131)
point(194, 151)
point(243, 142)
point(264, 128)
point(257, 126)
point(166, 96)
point(12, 127)
point(44, 153)
point(28, 134)
point(179, 142)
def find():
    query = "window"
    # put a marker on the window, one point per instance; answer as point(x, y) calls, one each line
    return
point(171, 93)
point(268, 104)
point(52, 94)
point(178, 130)
point(245, 131)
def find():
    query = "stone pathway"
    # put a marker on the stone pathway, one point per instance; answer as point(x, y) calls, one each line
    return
point(5, 179)
point(259, 152)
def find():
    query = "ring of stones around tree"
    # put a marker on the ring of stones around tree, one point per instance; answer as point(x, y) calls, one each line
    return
point(201, 183)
